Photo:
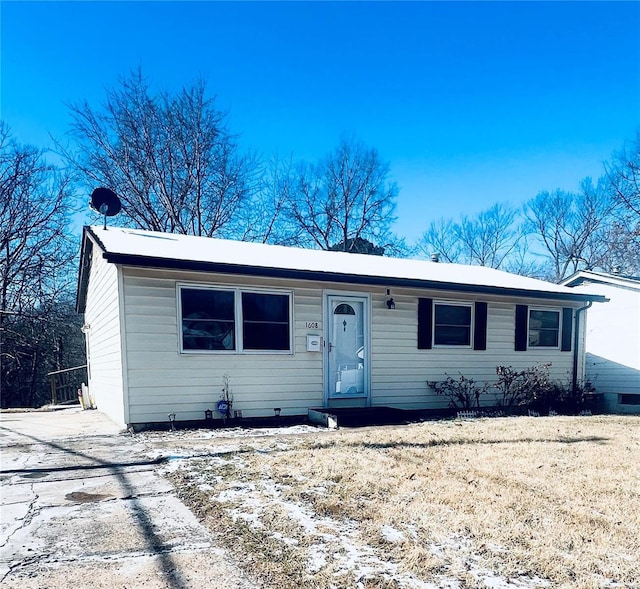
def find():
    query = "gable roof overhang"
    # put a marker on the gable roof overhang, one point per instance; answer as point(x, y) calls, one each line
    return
point(86, 252)
point(593, 277)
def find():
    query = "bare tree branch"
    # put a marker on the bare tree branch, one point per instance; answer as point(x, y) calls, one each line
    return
point(36, 273)
point(343, 199)
point(170, 158)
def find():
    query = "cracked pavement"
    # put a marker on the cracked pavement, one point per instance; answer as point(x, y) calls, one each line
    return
point(82, 505)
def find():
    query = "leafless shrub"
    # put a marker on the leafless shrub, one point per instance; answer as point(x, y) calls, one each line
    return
point(523, 387)
point(463, 393)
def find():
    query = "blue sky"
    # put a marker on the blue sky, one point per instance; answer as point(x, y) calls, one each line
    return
point(471, 103)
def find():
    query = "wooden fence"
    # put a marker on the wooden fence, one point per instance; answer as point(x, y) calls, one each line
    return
point(65, 384)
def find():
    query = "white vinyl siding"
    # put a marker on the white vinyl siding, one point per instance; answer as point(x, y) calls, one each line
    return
point(401, 371)
point(612, 362)
point(102, 315)
point(163, 381)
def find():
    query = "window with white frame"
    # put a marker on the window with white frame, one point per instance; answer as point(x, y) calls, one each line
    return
point(234, 320)
point(544, 328)
point(452, 324)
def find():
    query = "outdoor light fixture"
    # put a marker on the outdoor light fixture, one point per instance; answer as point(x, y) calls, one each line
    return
point(276, 411)
point(391, 304)
point(208, 415)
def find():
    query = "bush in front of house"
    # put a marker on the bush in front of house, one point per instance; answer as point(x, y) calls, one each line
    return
point(531, 387)
point(462, 392)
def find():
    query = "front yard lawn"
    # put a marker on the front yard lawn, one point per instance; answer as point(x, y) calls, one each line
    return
point(502, 502)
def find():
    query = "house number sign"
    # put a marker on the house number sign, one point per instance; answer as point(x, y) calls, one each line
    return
point(312, 325)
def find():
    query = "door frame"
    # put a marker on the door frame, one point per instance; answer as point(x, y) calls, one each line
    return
point(365, 299)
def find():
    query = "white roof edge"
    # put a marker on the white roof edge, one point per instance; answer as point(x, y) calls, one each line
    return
point(601, 277)
point(116, 241)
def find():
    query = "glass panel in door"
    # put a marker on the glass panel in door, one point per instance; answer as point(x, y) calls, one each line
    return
point(346, 350)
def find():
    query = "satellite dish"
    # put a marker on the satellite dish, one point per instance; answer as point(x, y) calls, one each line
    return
point(106, 202)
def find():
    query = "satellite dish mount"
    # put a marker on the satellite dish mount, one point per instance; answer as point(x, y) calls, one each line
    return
point(106, 202)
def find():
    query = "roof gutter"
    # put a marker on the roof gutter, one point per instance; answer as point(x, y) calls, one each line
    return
point(316, 275)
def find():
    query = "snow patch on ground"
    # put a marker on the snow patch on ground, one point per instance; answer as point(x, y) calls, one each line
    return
point(226, 433)
point(391, 534)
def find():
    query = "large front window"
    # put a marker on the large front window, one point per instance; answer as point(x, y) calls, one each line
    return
point(231, 320)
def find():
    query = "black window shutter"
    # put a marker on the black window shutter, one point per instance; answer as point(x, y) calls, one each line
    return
point(567, 325)
point(480, 327)
point(522, 317)
point(425, 323)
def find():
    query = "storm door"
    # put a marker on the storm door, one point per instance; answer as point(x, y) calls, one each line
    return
point(347, 341)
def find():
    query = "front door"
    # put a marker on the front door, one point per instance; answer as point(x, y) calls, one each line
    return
point(347, 353)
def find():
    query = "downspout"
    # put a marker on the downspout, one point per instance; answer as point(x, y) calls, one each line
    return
point(576, 341)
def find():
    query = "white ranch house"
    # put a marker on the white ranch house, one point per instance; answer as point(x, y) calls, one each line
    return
point(167, 316)
point(612, 360)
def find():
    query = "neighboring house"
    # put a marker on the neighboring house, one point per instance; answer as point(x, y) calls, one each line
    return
point(613, 338)
point(168, 316)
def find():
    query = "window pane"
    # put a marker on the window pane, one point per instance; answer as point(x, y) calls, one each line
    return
point(208, 321)
point(453, 315)
point(265, 321)
point(265, 307)
point(447, 335)
point(543, 337)
point(344, 309)
point(544, 319)
point(207, 304)
point(265, 336)
point(549, 337)
point(208, 335)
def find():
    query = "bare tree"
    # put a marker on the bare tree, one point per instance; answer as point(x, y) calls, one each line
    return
point(488, 239)
point(344, 198)
point(623, 174)
point(623, 237)
point(35, 270)
point(622, 240)
point(262, 217)
point(522, 261)
point(442, 238)
point(34, 213)
point(170, 157)
point(572, 228)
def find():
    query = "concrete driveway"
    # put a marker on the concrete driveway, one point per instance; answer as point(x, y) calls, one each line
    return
point(83, 505)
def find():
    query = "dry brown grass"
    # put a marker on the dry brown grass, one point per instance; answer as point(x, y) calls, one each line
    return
point(469, 503)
